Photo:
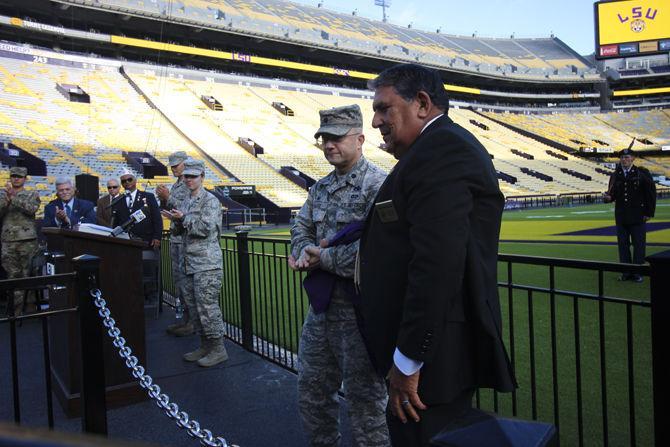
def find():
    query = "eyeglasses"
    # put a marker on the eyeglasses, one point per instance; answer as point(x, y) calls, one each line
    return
point(113, 187)
point(191, 176)
point(127, 180)
point(16, 176)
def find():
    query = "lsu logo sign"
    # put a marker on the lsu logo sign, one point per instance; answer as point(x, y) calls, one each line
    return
point(632, 21)
point(638, 24)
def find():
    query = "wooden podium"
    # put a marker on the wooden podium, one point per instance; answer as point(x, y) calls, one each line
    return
point(121, 285)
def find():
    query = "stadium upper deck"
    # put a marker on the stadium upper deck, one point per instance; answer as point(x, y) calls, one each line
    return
point(306, 25)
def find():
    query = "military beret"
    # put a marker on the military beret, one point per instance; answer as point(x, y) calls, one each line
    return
point(18, 170)
point(339, 120)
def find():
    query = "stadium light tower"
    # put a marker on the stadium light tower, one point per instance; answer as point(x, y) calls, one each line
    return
point(384, 4)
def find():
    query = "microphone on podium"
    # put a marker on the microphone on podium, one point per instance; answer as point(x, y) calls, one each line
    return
point(135, 218)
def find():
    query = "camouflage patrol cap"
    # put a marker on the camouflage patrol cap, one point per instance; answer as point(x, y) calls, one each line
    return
point(18, 170)
point(193, 167)
point(177, 157)
point(339, 120)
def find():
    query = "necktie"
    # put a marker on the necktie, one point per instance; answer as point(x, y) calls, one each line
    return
point(68, 211)
point(129, 201)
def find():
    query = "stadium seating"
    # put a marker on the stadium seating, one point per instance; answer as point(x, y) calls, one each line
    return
point(157, 111)
point(319, 26)
point(75, 138)
point(601, 130)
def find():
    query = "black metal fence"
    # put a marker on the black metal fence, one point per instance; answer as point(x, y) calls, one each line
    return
point(85, 278)
point(585, 347)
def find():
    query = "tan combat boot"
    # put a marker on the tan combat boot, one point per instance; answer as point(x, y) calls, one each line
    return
point(202, 351)
point(216, 355)
point(181, 329)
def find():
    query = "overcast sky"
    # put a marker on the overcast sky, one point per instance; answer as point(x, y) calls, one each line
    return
point(570, 20)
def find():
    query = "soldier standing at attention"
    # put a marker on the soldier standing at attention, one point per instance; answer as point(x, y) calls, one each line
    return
point(331, 350)
point(171, 199)
point(198, 221)
point(634, 191)
point(19, 238)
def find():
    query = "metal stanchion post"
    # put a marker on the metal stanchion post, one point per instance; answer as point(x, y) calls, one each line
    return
point(93, 405)
point(245, 286)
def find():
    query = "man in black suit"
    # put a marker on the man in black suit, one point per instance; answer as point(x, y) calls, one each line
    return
point(150, 229)
point(67, 210)
point(634, 191)
point(428, 260)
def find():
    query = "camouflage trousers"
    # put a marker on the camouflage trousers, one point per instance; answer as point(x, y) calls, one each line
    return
point(201, 292)
point(332, 354)
point(16, 260)
point(178, 275)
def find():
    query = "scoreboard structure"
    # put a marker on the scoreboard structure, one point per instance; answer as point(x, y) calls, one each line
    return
point(626, 28)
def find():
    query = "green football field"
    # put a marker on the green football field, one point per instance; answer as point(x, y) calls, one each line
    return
point(541, 232)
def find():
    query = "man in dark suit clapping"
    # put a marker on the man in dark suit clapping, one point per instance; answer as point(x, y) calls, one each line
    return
point(427, 268)
point(67, 210)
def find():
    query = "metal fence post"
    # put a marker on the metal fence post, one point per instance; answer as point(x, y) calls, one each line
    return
point(93, 405)
point(244, 276)
point(660, 315)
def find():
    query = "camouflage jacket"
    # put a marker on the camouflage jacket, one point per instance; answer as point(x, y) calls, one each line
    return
point(178, 193)
point(201, 231)
point(333, 202)
point(18, 215)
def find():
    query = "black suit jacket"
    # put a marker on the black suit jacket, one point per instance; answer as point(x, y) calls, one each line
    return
point(634, 194)
point(429, 268)
point(151, 227)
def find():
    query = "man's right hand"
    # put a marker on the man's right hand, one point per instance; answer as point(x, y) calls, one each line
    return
point(62, 215)
point(162, 192)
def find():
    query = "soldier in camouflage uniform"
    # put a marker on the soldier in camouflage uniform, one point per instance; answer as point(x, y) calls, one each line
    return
point(331, 351)
point(171, 199)
point(19, 238)
point(198, 221)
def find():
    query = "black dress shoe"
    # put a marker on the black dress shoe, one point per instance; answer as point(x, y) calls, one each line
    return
point(624, 277)
point(636, 278)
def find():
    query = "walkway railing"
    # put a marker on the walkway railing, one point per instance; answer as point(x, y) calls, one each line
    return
point(85, 278)
point(585, 347)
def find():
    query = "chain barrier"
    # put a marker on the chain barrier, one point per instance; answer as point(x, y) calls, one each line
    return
point(153, 390)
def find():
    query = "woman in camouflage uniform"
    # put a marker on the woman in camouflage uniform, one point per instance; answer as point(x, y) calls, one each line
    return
point(198, 220)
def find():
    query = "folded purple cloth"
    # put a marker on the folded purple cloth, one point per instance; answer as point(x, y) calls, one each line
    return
point(319, 284)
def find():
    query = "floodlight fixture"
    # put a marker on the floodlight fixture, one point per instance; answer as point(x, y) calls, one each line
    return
point(384, 4)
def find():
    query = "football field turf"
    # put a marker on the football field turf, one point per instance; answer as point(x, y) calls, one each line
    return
point(546, 232)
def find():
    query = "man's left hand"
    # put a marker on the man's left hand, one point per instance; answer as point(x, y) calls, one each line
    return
point(646, 218)
point(155, 243)
point(310, 259)
point(403, 395)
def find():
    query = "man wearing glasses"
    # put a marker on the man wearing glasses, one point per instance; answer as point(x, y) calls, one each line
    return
point(332, 352)
point(103, 211)
point(149, 229)
point(19, 238)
